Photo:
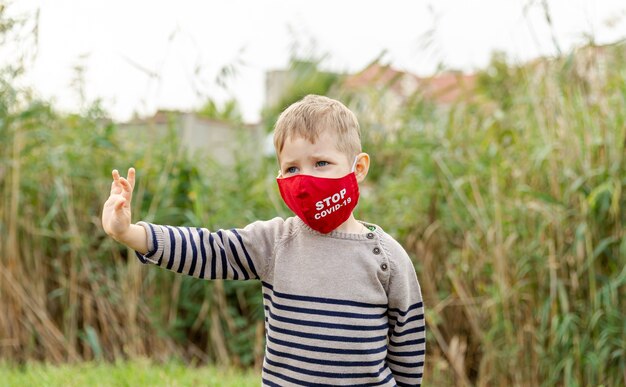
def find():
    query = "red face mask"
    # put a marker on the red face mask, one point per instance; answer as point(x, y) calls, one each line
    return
point(322, 203)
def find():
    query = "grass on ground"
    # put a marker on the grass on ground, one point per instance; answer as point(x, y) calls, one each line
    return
point(134, 373)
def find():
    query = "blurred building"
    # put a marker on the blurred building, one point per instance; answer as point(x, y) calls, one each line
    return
point(197, 135)
point(379, 92)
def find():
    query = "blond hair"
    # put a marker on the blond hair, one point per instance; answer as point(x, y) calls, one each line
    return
point(312, 115)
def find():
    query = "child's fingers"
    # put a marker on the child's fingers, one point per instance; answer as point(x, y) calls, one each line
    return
point(126, 186)
point(115, 185)
point(123, 185)
point(131, 177)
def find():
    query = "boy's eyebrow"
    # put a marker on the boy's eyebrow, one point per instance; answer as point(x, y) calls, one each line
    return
point(314, 156)
point(286, 162)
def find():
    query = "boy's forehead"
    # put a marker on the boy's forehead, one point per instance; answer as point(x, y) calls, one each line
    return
point(323, 135)
point(324, 140)
point(325, 143)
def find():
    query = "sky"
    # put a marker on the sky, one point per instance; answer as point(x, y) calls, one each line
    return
point(139, 55)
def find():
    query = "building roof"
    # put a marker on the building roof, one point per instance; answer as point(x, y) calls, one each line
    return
point(447, 88)
point(377, 75)
point(442, 88)
point(165, 116)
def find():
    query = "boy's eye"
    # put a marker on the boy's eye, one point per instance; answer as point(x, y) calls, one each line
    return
point(321, 163)
point(291, 170)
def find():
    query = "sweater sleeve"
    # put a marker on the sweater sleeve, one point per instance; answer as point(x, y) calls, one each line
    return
point(238, 254)
point(406, 349)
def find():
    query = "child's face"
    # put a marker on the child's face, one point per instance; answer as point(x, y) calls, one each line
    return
point(321, 158)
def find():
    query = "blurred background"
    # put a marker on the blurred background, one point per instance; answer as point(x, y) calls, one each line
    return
point(497, 131)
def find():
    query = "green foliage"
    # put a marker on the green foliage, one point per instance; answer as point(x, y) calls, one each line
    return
point(228, 112)
point(512, 205)
point(136, 373)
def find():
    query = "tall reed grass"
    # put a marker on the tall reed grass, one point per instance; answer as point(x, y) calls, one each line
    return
point(70, 293)
point(512, 205)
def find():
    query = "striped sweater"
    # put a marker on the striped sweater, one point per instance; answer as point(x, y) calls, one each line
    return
point(340, 309)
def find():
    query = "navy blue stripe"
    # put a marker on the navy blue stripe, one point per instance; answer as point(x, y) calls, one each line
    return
point(301, 383)
point(153, 248)
point(161, 257)
point(213, 258)
point(343, 339)
point(246, 276)
point(400, 384)
point(412, 353)
point(417, 317)
point(387, 379)
point(405, 343)
point(405, 365)
point(403, 313)
point(333, 375)
point(202, 252)
point(335, 363)
point(408, 332)
point(416, 375)
point(268, 383)
point(295, 381)
point(194, 250)
point(245, 252)
point(183, 251)
point(325, 325)
point(317, 349)
point(384, 381)
point(322, 299)
point(323, 312)
point(225, 263)
point(170, 262)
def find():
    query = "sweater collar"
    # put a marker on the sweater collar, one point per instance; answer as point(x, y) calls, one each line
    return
point(341, 235)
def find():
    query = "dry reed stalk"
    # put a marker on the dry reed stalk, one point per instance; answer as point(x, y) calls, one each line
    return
point(222, 306)
point(113, 330)
point(132, 292)
point(11, 255)
point(51, 337)
point(259, 345)
point(200, 320)
point(453, 353)
point(174, 300)
point(88, 321)
point(218, 343)
point(468, 304)
point(73, 305)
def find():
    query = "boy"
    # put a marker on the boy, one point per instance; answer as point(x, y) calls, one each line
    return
point(342, 301)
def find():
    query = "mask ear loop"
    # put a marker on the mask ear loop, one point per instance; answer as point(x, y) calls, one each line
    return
point(279, 174)
point(356, 158)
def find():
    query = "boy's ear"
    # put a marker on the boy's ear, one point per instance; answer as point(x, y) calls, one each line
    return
point(362, 166)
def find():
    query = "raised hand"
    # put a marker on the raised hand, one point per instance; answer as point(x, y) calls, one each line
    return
point(116, 215)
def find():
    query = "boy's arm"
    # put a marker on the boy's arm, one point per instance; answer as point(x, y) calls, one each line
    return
point(406, 347)
point(224, 254)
